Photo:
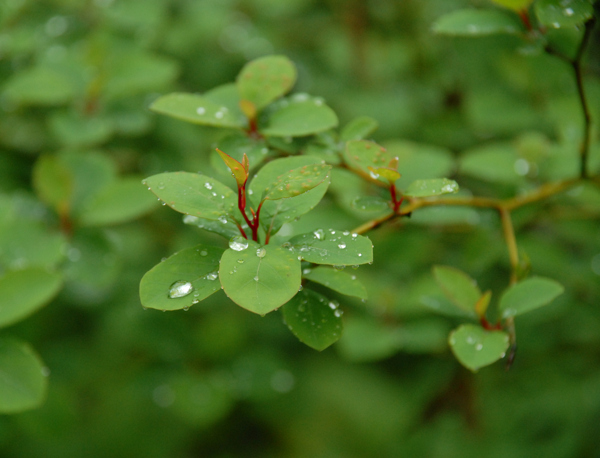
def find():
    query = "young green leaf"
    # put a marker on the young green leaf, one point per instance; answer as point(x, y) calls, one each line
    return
point(259, 279)
point(225, 227)
point(314, 319)
point(495, 162)
point(474, 347)
point(40, 85)
point(458, 287)
point(473, 23)
point(433, 187)
point(333, 248)
point(370, 204)
point(362, 154)
point(23, 384)
point(182, 280)
point(558, 13)
point(239, 170)
point(299, 117)
point(359, 128)
point(528, 295)
point(53, 183)
point(196, 109)
point(297, 181)
point(265, 79)
point(25, 291)
point(193, 194)
point(515, 5)
point(339, 281)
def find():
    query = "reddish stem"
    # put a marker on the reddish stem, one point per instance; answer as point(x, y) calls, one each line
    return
point(489, 326)
point(397, 202)
point(524, 15)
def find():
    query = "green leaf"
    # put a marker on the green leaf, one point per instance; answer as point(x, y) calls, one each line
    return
point(225, 227)
point(182, 280)
point(275, 213)
point(432, 187)
point(119, 202)
point(314, 319)
point(337, 280)
point(333, 247)
point(472, 22)
point(239, 170)
point(359, 128)
point(560, 13)
point(528, 295)
point(53, 182)
point(362, 154)
point(474, 347)
point(39, 86)
point(265, 79)
point(367, 339)
point(26, 243)
point(458, 287)
point(23, 383)
point(495, 162)
point(371, 204)
point(196, 109)
point(25, 291)
point(297, 181)
point(74, 130)
point(516, 5)
point(440, 304)
point(299, 116)
point(260, 279)
point(193, 194)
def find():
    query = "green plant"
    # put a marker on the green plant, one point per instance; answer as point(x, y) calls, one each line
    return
point(291, 146)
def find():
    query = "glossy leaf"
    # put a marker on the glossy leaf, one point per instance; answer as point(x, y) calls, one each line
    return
point(23, 383)
point(432, 187)
point(193, 194)
point(443, 306)
point(458, 287)
point(362, 154)
point(314, 319)
point(333, 247)
point(265, 79)
point(516, 5)
point(260, 279)
point(367, 339)
point(119, 202)
point(342, 282)
point(496, 162)
point(30, 244)
point(182, 280)
point(225, 227)
point(561, 13)
point(359, 128)
point(371, 204)
point(196, 109)
point(297, 181)
point(528, 295)
point(25, 291)
point(472, 22)
point(40, 86)
point(474, 347)
point(274, 213)
point(299, 117)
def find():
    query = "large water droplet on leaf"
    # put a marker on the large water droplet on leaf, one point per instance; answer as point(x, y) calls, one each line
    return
point(180, 289)
point(261, 252)
point(238, 243)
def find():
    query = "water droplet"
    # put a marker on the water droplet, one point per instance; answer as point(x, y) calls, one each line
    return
point(319, 234)
point(338, 313)
point(354, 235)
point(240, 261)
point(212, 276)
point(201, 110)
point(356, 266)
point(332, 305)
point(238, 243)
point(222, 219)
point(300, 288)
point(180, 288)
point(373, 175)
point(341, 246)
point(208, 186)
point(306, 271)
point(203, 253)
point(261, 252)
point(219, 115)
point(568, 12)
point(346, 233)
point(161, 186)
point(338, 267)
point(470, 340)
point(185, 309)
point(479, 347)
point(256, 278)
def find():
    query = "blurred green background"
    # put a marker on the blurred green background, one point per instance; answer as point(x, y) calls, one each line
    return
point(76, 78)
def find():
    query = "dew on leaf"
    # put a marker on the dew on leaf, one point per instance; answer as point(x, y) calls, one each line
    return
point(180, 288)
point(222, 219)
point(479, 347)
point(238, 243)
point(208, 186)
point(341, 246)
point(338, 267)
point(338, 313)
point(201, 110)
point(256, 278)
point(212, 276)
point(261, 252)
point(319, 234)
point(203, 253)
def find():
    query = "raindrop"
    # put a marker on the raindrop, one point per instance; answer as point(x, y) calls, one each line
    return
point(212, 276)
point(332, 305)
point(346, 233)
point(261, 252)
point(222, 219)
point(338, 268)
point(568, 12)
point(374, 175)
point(203, 253)
point(219, 115)
point(238, 243)
point(356, 266)
point(354, 235)
point(341, 246)
point(180, 288)
point(319, 234)
point(240, 261)
point(301, 288)
point(208, 186)
point(201, 111)
point(479, 347)
point(185, 309)
point(256, 278)
point(338, 313)
point(306, 271)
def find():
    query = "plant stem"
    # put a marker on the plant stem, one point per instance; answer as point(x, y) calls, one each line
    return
point(511, 243)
